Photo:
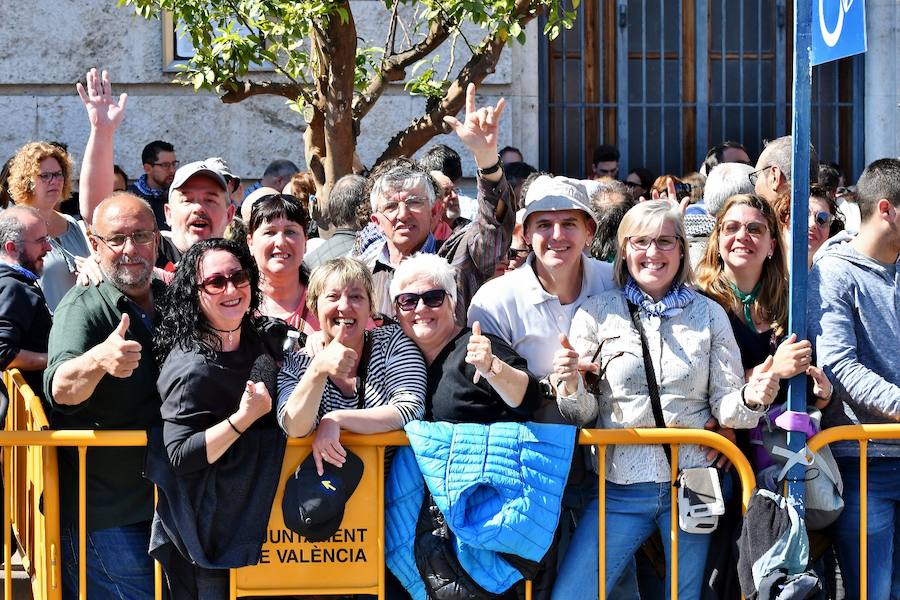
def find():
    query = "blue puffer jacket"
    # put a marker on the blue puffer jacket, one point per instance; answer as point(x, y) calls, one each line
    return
point(499, 487)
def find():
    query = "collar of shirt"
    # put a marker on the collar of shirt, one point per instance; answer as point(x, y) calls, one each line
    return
point(536, 294)
point(378, 256)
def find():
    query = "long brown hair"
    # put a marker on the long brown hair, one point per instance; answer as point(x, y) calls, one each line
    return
point(772, 300)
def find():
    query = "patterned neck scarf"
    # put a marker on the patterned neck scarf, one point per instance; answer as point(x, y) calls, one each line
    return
point(144, 188)
point(747, 300)
point(672, 303)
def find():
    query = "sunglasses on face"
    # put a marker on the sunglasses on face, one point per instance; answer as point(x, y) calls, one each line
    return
point(217, 283)
point(821, 217)
point(409, 301)
point(753, 228)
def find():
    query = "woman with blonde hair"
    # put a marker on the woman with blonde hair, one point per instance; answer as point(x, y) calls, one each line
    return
point(40, 176)
point(653, 353)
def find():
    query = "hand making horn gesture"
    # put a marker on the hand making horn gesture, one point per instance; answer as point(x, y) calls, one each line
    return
point(479, 131)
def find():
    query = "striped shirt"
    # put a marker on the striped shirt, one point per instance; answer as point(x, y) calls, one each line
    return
point(395, 376)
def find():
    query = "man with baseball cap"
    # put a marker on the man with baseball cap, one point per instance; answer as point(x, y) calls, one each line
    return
point(198, 209)
point(531, 307)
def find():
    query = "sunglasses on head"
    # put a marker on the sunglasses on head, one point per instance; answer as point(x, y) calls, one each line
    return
point(409, 301)
point(217, 283)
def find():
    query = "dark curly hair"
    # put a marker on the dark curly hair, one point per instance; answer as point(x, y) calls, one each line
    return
point(181, 323)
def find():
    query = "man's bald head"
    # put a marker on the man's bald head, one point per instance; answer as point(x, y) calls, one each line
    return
point(122, 203)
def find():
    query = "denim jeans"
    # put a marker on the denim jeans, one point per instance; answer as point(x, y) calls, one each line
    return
point(883, 558)
point(118, 565)
point(633, 513)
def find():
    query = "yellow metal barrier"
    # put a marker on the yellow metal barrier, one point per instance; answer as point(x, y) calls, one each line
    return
point(350, 562)
point(862, 434)
point(30, 476)
point(612, 437)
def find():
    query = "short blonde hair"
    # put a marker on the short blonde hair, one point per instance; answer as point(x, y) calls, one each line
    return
point(25, 170)
point(348, 270)
point(647, 217)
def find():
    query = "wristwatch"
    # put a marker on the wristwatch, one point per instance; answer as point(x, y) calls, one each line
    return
point(492, 169)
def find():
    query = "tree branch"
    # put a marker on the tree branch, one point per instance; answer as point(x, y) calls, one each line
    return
point(246, 89)
point(480, 65)
point(394, 67)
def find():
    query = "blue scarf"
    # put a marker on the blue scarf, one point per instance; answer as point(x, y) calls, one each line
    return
point(22, 270)
point(141, 186)
point(671, 304)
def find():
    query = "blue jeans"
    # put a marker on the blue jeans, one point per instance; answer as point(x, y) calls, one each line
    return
point(633, 513)
point(118, 565)
point(883, 558)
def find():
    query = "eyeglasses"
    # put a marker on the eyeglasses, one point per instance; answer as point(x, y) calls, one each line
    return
point(413, 204)
point(167, 165)
point(754, 229)
point(755, 175)
point(409, 301)
point(821, 217)
point(41, 241)
point(664, 243)
point(217, 283)
point(48, 177)
point(517, 253)
point(139, 238)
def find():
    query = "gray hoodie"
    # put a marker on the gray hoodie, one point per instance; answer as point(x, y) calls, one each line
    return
point(854, 325)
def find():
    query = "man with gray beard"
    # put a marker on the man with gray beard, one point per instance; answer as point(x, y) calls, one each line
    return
point(101, 374)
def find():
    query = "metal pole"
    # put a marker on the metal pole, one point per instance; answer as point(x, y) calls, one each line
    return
point(800, 132)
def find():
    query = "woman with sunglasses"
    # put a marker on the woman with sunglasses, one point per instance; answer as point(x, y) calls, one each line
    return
point(40, 176)
point(361, 381)
point(822, 222)
point(472, 378)
point(745, 271)
point(654, 316)
point(216, 381)
point(277, 240)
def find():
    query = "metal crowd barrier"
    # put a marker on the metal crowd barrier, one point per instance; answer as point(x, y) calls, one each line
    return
point(862, 434)
point(351, 562)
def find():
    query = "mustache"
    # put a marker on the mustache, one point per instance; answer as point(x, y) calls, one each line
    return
point(124, 258)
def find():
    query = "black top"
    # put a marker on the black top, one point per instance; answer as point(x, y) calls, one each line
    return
point(453, 397)
point(198, 392)
point(156, 203)
point(215, 515)
point(25, 322)
point(168, 255)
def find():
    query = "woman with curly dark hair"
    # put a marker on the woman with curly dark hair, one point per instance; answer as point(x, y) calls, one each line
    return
point(216, 382)
point(40, 176)
point(277, 240)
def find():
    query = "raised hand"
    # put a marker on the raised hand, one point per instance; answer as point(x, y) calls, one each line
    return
point(762, 387)
point(479, 129)
point(103, 112)
point(479, 353)
point(116, 355)
point(336, 359)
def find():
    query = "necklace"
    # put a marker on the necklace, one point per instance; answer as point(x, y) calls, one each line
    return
point(230, 332)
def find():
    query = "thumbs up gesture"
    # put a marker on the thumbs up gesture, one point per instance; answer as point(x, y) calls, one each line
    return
point(116, 355)
point(762, 386)
point(479, 353)
point(565, 365)
point(336, 360)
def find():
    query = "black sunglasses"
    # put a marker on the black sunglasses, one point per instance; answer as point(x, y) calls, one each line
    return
point(592, 380)
point(516, 253)
point(409, 301)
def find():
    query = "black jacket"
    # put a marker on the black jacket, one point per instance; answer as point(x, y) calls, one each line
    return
point(24, 321)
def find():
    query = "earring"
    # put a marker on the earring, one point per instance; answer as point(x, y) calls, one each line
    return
point(769, 257)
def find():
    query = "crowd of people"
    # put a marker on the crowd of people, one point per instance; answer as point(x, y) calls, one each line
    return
point(222, 318)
